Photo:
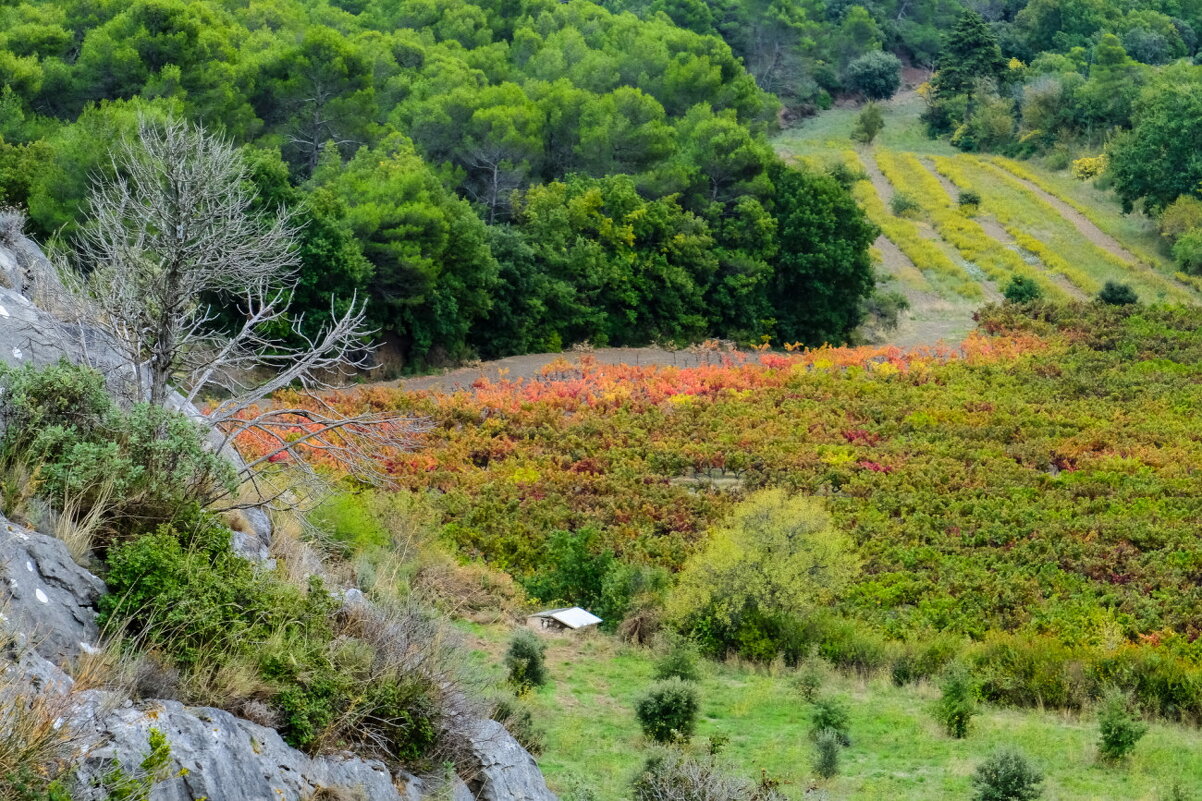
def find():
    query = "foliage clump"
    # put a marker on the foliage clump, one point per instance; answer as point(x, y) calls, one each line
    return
point(526, 660)
point(1114, 293)
point(667, 711)
point(869, 123)
point(679, 658)
point(1007, 775)
point(1121, 729)
point(134, 468)
point(827, 747)
point(1021, 289)
point(777, 556)
point(957, 704)
point(830, 716)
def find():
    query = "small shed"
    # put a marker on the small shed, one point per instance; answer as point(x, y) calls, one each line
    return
point(571, 619)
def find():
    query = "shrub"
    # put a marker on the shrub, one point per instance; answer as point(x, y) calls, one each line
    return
point(827, 746)
point(676, 776)
point(1121, 730)
point(968, 198)
point(957, 705)
point(1007, 775)
point(241, 633)
point(809, 677)
point(869, 123)
point(144, 465)
point(680, 659)
point(1021, 289)
point(1117, 294)
point(876, 75)
point(902, 205)
point(845, 175)
point(1090, 167)
point(1187, 251)
point(1181, 216)
point(830, 715)
point(526, 660)
point(668, 710)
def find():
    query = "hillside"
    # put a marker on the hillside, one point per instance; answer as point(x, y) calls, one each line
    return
point(1064, 234)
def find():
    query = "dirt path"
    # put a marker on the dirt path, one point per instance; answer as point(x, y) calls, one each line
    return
point(1082, 223)
point(880, 183)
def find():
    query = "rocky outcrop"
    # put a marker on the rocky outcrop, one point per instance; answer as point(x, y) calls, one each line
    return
point(46, 597)
point(227, 759)
point(505, 771)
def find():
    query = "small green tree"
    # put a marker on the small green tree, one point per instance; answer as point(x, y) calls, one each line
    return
point(1116, 294)
point(957, 705)
point(876, 75)
point(869, 123)
point(526, 660)
point(970, 55)
point(826, 753)
point(830, 715)
point(668, 710)
point(969, 198)
point(1021, 290)
point(679, 658)
point(1121, 729)
point(1007, 775)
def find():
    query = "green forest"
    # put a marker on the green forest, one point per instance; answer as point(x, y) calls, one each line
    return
point(504, 177)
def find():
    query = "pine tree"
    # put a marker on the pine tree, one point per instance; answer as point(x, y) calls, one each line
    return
point(970, 54)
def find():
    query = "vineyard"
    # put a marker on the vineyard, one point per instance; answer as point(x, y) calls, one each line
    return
point(947, 258)
point(1037, 482)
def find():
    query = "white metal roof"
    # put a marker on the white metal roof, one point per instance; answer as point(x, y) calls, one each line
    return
point(573, 618)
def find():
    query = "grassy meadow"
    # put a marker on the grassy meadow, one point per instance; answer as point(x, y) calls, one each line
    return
point(898, 751)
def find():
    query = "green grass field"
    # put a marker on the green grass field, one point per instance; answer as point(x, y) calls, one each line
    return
point(898, 751)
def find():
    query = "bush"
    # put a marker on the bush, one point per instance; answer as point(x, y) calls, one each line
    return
point(969, 198)
point(680, 659)
point(1187, 251)
point(1090, 167)
point(830, 715)
point(676, 776)
point(1021, 289)
point(902, 205)
point(869, 123)
point(957, 705)
point(1117, 294)
point(526, 660)
point(809, 677)
point(668, 710)
point(1007, 775)
point(876, 75)
point(138, 468)
point(1121, 730)
point(188, 596)
point(1181, 216)
point(827, 746)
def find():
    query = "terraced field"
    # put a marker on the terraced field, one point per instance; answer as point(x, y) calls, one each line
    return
point(1067, 236)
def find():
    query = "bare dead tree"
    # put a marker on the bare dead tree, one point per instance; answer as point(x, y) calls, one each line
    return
point(174, 229)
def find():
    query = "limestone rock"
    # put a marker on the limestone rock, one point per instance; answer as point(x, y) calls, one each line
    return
point(46, 596)
point(226, 759)
point(506, 771)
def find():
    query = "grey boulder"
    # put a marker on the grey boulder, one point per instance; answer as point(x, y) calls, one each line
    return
point(45, 596)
